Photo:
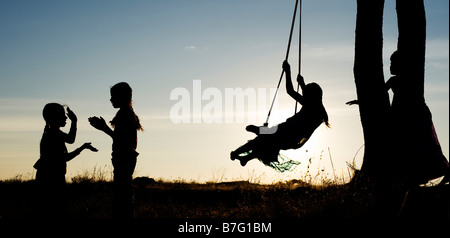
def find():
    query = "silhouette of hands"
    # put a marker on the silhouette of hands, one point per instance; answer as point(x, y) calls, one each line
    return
point(286, 66)
point(71, 115)
point(89, 146)
point(353, 102)
point(98, 123)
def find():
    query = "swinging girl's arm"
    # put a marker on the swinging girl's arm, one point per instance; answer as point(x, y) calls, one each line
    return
point(301, 82)
point(289, 86)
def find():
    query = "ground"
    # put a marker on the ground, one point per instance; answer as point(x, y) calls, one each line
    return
point(294, 199)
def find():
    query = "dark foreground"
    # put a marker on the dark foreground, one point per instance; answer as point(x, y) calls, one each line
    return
point(230, 200)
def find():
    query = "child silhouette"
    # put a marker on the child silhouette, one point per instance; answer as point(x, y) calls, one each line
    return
point(291, 134)
point(51, 166)
point(428, 162)
point(125, 124)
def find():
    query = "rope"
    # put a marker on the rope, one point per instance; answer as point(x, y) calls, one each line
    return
point(287, 56)
point(299, 51)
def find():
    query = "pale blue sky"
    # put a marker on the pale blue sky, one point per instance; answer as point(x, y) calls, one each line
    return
point(71, 52)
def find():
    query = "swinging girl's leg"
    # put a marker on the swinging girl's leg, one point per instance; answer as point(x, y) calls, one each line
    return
point(246, 158)
point(243, 149)
point(246, 152)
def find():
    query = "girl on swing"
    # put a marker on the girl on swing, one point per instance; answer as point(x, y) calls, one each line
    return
point(292, 133)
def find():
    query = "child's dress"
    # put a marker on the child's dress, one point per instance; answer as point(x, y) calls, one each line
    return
point(50, 174)
point(124, 158)
point(51, 166)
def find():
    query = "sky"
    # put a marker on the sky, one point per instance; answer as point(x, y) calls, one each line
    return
point(193, 55)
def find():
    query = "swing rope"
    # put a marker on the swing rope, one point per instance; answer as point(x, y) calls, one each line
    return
point(299, 50)
point(287, 56)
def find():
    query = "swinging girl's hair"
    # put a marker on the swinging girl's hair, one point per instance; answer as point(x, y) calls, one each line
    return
point(124, 92)
point(325, 120)
point(314, 91)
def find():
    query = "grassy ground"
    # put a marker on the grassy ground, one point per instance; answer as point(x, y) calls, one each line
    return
point(91, 198)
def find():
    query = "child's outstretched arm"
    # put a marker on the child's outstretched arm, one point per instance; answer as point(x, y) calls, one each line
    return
point(352, 102)
point(100, 124)
point(289, 86)
point(76, 152)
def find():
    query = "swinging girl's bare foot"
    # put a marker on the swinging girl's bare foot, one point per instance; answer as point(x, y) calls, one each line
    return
point(233, 155)
point(244, 161)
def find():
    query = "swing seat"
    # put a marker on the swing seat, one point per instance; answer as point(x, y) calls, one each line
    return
point(261, 130)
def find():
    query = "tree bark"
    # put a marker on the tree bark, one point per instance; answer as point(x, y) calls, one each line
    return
point(374, 105)
point(411, 43)
point(413, 127)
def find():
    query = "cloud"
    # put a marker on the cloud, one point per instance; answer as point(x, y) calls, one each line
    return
point(331, 52)
point(190, 47)
point(437, 49)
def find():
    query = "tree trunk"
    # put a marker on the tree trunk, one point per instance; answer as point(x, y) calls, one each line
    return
point(374, 105)
point(401, 147)
point(409, 113)
point(411, 43)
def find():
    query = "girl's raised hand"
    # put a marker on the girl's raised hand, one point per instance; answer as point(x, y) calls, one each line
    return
point(71, 115)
